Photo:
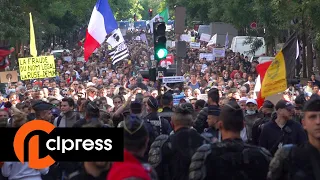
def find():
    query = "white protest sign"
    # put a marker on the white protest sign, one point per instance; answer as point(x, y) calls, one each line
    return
point(67, 58)
point(194, 45)
point(185, 37)
point(172, 79)
point(208, 56)
point(203, 97)
point(80, 59)
point(219, 52)
point(169, 44)
point(205, 37)
point(173, 44)
point(213, 40)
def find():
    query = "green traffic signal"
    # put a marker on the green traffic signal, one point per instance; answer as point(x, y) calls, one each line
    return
point(162, 53)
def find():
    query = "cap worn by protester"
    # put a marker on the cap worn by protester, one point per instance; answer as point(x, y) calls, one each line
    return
point(268, 104)
point(253, 101)
point(283, 104)
point(41, 106)
point(243, 99)
point(153, 103)
point(214, 110)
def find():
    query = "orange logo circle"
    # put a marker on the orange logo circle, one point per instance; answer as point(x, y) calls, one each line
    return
point(33, 145)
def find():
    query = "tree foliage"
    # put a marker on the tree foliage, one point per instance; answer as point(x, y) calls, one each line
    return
point(61, 20)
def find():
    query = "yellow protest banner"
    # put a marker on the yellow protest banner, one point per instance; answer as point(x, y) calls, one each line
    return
point(37, 67)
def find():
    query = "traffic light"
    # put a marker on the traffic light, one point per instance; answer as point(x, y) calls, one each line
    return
point(160, 40)
point(150, 13)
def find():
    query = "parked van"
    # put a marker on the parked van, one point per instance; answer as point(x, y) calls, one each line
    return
point(238, 45)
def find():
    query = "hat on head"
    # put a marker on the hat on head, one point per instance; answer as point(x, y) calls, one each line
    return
point(253, 101)
point(41, 106)
point(153, 103)
point(89, 84)
point(243, 99)
point(283, 104)
point(135, 105)
point(268, 104)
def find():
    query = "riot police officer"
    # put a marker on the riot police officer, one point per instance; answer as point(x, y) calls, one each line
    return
point(171, 155)
point(231, 158)
point(212, 132)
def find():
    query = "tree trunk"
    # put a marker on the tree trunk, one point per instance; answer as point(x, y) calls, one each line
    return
point(309, 55)
point(304, 60)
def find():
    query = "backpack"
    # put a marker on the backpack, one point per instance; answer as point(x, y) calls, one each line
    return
point(257, 129)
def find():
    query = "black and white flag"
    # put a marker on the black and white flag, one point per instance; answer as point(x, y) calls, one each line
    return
point(119, 53)
point(115, 39)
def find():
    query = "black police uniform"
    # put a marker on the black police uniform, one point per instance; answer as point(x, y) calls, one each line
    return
point(161, 125)
point(166, 113)
point(272, 136)
point(229, 159)
point(295, 162)
point(211, 132)
point(171, 155)
point(257, 128)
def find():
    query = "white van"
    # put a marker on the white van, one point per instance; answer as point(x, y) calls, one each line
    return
point(238, 45)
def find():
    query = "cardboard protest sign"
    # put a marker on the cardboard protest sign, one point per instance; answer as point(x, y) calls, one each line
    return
point(172, 79)
point(205, 37)
point(208, 56)
point(67, 58)
point(185, 37)
point(80, 59)
point(194, 45)
point(37, 67)
point(9, 76)
point(219, 52)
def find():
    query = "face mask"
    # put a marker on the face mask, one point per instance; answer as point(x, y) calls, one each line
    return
point(250, 112)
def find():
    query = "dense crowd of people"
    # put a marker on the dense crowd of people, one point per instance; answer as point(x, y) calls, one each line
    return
point(215, 131)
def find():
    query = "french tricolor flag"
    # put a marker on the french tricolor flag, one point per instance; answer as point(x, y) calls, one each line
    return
point(102, 23)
